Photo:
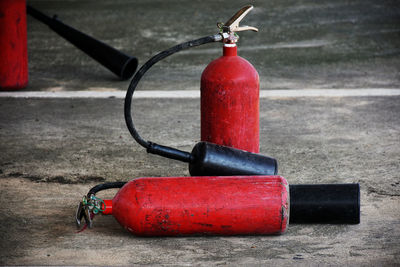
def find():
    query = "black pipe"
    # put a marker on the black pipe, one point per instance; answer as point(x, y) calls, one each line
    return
point(120, 64)
point(325, 203)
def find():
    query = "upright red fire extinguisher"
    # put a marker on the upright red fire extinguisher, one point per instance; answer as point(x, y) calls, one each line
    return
point(13, 45)
point(229, 110)
point(230, 94)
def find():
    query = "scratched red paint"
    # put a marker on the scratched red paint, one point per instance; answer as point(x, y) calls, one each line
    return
point(13, 45)
point(230, 102)
point(173, 206)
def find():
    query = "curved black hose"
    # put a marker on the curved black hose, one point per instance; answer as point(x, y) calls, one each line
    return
point(152, 147)
point(105, 186)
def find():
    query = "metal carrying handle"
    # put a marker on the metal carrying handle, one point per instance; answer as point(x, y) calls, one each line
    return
point(232, 25)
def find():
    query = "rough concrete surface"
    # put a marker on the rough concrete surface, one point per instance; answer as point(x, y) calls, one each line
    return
point(54, 150)
point(300, 44)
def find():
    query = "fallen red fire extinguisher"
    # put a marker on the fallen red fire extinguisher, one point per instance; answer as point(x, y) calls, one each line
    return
point(229, 205)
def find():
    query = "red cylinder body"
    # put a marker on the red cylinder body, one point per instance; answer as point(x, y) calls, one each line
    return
point(230, 102)
point(13, 45)
point(230, 205)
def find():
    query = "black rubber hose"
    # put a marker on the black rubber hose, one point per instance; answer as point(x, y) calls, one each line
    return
point(150, 146)
point(105, 186)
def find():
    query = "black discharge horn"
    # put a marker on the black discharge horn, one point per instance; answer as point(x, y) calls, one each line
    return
point(120, 64)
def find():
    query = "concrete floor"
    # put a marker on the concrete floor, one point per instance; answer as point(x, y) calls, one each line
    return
point(55, 150)
point(58, 149)
point(301, 44)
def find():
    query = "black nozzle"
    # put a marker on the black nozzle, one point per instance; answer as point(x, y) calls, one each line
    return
point(325, 203)
point(168, 152)
point(120, 64)
point(214, 160)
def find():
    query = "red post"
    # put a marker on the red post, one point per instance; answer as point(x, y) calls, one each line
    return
point(13, 45)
